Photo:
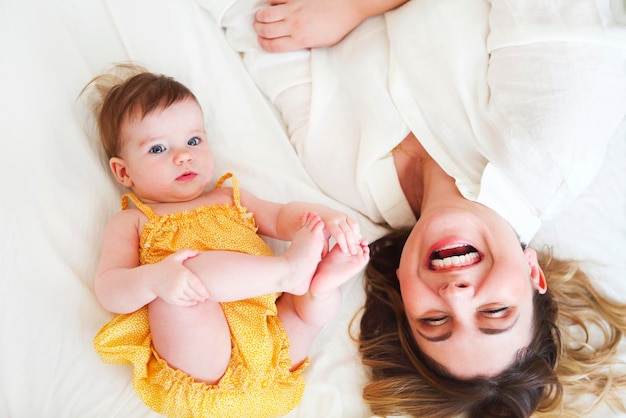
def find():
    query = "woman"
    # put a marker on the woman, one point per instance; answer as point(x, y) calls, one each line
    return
point(456, 116)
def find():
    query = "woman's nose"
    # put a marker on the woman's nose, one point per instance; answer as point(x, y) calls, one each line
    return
point(457, 288)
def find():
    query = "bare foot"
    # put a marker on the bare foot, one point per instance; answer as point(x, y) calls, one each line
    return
point(305, 253)
point(338, 267)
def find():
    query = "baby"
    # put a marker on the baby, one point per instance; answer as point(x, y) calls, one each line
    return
point(212, 322)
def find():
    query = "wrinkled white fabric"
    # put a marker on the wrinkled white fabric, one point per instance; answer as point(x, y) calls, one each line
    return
point(516, 100)
point(538, 89)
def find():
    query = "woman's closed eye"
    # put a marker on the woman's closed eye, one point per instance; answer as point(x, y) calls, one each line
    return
point(491, 313)
point(435, 321)
point(496, 313)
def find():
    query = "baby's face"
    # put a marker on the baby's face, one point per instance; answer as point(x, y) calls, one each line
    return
point(165, 156)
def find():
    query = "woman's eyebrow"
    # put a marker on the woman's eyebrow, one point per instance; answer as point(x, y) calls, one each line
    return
point(437, 339)
point(495, 331)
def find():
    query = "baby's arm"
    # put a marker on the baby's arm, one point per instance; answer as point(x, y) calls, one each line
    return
point(123, 286)
point(286, 25)
point(188, 276)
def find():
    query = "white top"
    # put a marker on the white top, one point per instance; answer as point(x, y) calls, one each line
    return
point(518, 105)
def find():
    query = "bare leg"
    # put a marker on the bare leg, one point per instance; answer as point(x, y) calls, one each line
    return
point(338, 267)
point(312, 232)
point(230, 276)
point(196, 339)
point(193, 339)
point(304, 316)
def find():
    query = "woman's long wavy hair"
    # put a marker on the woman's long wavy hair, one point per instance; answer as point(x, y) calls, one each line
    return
point(559, 362)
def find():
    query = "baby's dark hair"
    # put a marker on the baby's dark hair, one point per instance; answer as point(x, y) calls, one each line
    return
point(129, 91)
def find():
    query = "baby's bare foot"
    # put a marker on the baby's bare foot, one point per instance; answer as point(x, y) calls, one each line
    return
point(305, 253)
point(338, 267)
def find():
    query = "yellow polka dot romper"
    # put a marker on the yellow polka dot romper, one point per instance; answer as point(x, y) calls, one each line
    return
point(257, 382)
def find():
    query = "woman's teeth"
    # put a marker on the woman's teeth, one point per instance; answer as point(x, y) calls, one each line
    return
point(455, 261)
point(454, 256)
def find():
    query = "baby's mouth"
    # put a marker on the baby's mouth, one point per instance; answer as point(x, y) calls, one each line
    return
point(186, 176)
point(453, 257)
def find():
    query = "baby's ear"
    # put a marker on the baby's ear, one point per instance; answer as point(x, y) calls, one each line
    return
point(118, 167)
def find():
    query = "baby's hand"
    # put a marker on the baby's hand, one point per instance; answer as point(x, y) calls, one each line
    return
point(176, 284)
point(344, 230)
point(286, 25)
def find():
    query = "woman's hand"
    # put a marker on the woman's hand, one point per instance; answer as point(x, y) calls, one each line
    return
point(175, 283)
point(287, 25)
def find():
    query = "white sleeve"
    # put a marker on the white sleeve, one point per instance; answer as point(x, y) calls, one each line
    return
point(217, 8)
point(285, 78)
point(557, 83)
point(537, 89)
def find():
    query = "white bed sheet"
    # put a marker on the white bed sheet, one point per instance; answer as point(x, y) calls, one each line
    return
point(57, 195)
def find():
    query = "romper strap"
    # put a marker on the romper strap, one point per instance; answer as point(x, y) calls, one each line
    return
point(236, 195)
point(140, 205)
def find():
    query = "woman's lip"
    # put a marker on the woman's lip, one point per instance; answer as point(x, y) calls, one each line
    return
point(452, 254)
point(449, 242)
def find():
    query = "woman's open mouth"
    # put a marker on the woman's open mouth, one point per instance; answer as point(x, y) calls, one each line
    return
point(453, 256)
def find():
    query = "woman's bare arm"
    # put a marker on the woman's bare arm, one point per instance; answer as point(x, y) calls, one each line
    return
point(286, 25)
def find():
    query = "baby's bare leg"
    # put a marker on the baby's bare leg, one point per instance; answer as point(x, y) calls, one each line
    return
point(230, 275)
point(305, 251)
point(193, 339)
point(196, 339)
point(338, 267)
point(304, 316)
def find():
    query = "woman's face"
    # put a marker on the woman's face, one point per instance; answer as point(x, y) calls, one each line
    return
point(467, 288)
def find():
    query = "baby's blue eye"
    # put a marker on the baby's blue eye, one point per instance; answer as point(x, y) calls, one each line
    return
point(193, 141)
point(157, 149)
